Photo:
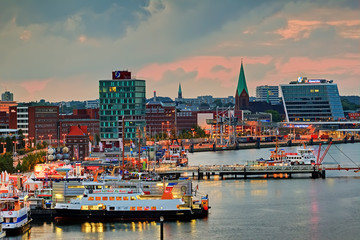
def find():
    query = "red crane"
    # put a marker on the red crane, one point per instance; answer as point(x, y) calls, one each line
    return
point(319, 161)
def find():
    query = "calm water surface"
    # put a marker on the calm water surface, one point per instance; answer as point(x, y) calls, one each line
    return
point(299, 208)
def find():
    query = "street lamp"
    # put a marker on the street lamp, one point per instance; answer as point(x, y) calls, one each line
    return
point(50, 135)
point(31, 141)
point(4, 149)
point(14, 142)
point(161, 227)
point(162, 130)
point(64, 135)
point(168, 128)
point(193, 132)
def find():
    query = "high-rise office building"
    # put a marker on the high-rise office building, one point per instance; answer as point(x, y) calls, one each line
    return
point(7, 96)
point(269, 94)
point(121, 98)
point(311, 100)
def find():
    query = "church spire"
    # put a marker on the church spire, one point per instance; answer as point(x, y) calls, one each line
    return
point(179, 92)
point(241, 82)
point(242, 93)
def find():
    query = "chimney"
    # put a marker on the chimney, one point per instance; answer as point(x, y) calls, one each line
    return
point(155, 96)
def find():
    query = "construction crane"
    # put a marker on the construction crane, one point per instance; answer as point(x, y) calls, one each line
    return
point(319, 160)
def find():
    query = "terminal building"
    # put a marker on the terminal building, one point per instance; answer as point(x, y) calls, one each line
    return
point(311, 100)
point(121, 99)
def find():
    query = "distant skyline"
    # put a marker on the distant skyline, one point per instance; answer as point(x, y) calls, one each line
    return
point(59, 50)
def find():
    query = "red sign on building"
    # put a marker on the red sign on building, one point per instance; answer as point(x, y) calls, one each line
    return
point(354, 115)
point(121, 75)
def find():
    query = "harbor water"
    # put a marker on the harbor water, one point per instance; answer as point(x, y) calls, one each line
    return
point(255, 208)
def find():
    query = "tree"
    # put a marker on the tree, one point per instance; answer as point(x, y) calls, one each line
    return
point(9, 144)
point(218, 103)
point(21, 139)
point(6, 162)
point(347, 105)
point(97, 139)
point(29, 161)
point(275, 115)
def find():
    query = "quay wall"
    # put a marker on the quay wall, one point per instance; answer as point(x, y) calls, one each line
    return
point(256, 145)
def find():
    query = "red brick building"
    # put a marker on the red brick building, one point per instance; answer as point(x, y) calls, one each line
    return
point(4, 120)
point(43, 123)
point(80, 117)
point(160, 117)
point(77, 140)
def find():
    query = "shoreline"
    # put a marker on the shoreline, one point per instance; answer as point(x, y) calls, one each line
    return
point(257, 145)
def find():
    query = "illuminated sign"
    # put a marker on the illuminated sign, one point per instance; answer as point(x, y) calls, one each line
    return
point(314, 81)
point(354, 115)
point(296, 125)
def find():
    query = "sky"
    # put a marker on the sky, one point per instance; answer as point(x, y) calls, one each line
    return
point(59, 50)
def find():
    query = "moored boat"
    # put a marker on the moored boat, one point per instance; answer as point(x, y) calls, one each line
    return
point(128, 202)
point(16, 214)
point(2, 232)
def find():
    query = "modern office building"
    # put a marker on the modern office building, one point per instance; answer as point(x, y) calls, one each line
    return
point(121, 98)
point(311, 100)
point(7, 97)
point(269, 94)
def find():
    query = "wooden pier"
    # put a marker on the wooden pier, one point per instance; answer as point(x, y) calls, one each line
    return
point(243, 171)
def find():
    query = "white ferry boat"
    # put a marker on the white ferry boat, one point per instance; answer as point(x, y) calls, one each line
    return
point(280, 157)
point(2, 232)
point(16, 215)
point(302, 156)
point(128, 202)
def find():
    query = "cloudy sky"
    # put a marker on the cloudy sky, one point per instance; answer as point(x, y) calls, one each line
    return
point(59, 50)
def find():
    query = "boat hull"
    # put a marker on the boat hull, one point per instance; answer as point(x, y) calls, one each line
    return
point(69, 216)
point(19, 230)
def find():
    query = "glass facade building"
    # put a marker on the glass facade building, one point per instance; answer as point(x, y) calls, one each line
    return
point(268, 94)
point(121, 99)
point(311, 100)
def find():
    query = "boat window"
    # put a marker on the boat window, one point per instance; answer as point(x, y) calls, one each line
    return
point(97, 198)
point(84, 207)
point(146, 208)
point(153, 208)
point(105, 198)
point(91, 198)
point(98, 187)
point(126, 198)
point(139, 208)
point(111, 198)
point(132, 208)
point(118, 198)
point(133, 198)
point(111, 208)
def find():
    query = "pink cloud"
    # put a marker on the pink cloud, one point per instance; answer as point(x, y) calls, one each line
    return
point(34, 86)
point(298, 29)
point(320, 66)
point(203, 65)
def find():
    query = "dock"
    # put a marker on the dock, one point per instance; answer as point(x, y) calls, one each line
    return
point(242, 171)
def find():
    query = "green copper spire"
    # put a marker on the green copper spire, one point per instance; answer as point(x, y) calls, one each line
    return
point(242, 82)
point(179, 92)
